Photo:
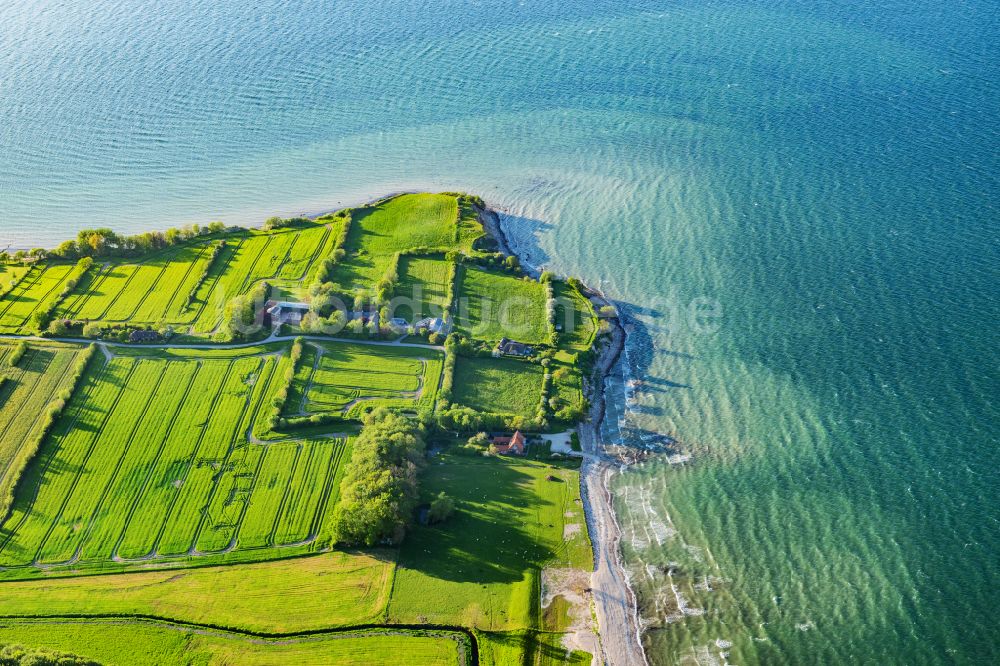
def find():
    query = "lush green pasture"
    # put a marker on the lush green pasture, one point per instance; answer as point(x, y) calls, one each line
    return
point(575, 314)
point(152, 460)
point(153, 290)
point(42, 372)
point(399, 224)
point(127, 643)
point(423, 288)
point(349, 375)
point(494, 305)
point(481, 568)
point(298, 594)
point(498, 385)
point(39, 286)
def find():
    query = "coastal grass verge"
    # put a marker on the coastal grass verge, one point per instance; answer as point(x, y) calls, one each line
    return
point(335, 589)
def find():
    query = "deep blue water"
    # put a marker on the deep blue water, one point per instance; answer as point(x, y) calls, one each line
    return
point(823, 172)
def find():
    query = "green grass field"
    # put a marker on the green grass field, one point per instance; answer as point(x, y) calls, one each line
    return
point(423, 287)
point(495, 305)
point(132, 643)
point(41, 374)
point(400, 224)
point(575, 314)
point(163, 489)
point(328, 590)
point(344, 377)
point(498, 385)
point(38, 287)
point(148, 292)
point(156, 289)
point(11, 273)
point(151, 461)
point(480, 568)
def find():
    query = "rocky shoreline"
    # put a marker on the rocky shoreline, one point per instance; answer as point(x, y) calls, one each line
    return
point(615, 603)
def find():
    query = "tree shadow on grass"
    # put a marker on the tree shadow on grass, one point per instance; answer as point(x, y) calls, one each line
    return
point(489, 537)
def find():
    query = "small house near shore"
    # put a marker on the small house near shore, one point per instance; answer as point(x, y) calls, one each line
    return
point(509, 445)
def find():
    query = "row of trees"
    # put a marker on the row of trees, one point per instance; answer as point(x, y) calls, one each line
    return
point(281, 397)
point(105, 242)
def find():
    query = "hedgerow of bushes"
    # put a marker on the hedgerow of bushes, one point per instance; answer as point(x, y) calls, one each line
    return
point(281, 397)
point(18, 655)
point(16, 354)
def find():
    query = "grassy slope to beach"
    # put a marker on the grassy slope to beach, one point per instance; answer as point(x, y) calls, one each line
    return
point(153, 497)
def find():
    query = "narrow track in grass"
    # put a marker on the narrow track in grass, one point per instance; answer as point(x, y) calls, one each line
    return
point(222, 346)
point(154, 550)
point(21, 288)
point(233, 441)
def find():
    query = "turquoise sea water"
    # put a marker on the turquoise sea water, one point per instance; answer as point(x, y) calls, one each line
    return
point(825, 173)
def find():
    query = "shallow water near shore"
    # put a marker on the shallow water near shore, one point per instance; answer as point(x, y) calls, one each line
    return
point(822, 173)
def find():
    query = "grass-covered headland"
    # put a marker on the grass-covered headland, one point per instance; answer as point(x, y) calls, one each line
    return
point(270, 445)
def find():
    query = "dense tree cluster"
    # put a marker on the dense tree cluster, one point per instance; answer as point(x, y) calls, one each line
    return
point(380, 490)
point(240, 317)
point(272, 223)
point(441, 509)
